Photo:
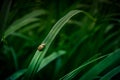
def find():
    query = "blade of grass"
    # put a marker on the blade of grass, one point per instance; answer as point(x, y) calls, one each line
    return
point(73, 73)
point(15, 59)
point(50, 58)
point(109, 37)
point(23, 21)
point(30, 27)
point(18, 25)
point(17, 74)
point(102, 65)
point(44, 63)
point(21, 36)
point(5, 11)
point(39, 55)
point(110, 74)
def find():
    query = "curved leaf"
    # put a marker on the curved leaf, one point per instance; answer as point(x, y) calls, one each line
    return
point(102, 65)
point(110, 74)
point(39, 55)
point(73, 73)
point(23, 21)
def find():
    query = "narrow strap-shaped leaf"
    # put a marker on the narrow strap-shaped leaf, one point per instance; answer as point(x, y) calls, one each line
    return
point(23, 21)
point(50, 58)
point(102, 65)
point(17, 74)
point(110, 74)
point(39, 55)
point(15, 59)
point(45, 61)
point(73, 73)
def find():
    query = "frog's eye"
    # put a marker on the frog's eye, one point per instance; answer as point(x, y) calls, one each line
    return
point(41, 47)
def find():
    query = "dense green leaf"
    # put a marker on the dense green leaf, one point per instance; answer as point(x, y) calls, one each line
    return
point(102, 65)
point(83, 39)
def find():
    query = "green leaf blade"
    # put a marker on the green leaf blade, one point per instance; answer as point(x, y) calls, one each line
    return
point(50, 58)
point(110, 74)
point(29, 18)
point(32, 69)
point(73, 73)
point(102, 65)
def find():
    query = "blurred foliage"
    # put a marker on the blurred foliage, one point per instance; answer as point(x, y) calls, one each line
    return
point(26, 23)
